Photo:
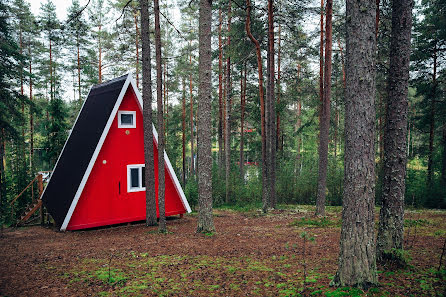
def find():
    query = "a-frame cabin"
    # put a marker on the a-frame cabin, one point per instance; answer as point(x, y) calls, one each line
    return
point(98, 179)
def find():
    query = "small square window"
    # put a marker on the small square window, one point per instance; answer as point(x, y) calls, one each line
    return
point(126, 119)
point(135, 178)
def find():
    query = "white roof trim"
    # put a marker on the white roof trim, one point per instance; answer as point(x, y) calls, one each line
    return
point(166, 157)
point(172, 174)
point(128, 81)
point(95, 154)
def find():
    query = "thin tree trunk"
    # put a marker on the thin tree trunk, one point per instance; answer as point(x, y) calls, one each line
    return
point(228, 109)
point(272, 108)
point(357, 262)
point(220, 92)
point(137, 47)
point(377, 19)
point(183, 125)
point(78, 70)
point(31, 115)
point(205, 219)
point(2, 181)
point(191, 102)
point(265, 201)
point(22, 144)
point(443, 165)
point(321, 58)
point(51, 72)
point(324, 123)
point(100, 54)
point(151, 217)
point(432, 124)
point(242, 119)
point(391, 216)
point(159, 99)
point(165, 100)
point(279, 142)
point(299, 119)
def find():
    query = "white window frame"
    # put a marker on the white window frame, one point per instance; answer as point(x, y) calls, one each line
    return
point(140, 188)
point(121, 125)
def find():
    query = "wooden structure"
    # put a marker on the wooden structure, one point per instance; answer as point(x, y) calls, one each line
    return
point(99, 178)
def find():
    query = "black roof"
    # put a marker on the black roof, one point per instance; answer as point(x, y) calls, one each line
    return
point(79, 148)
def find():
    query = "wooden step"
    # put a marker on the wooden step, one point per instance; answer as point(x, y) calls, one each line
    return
point(32, 209)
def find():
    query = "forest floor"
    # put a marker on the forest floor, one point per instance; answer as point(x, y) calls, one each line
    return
point(250, 255)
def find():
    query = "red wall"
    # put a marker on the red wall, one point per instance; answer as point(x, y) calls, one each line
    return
point(102, 202)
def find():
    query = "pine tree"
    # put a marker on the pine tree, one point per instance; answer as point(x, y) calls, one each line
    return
point(151, 217)
point(357, 262)
point(391, 222)
point(205, 219)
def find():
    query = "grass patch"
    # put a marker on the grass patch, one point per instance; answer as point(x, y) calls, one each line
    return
point(323, 222)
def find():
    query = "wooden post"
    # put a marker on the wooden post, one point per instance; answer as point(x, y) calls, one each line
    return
point(40, 188)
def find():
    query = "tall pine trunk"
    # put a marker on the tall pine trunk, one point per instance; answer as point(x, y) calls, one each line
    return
point(279, 139)
point(220, 92)
point(31, 114)
point(79, 71)
point(391, 216)
point(299, 119)
point(183, 136)
point(228, 109)
point(265, 201)
point(100, 54)
point(205, 219)
point(272, 108)
point(160, 120)
point(321, 57)
point(191, 103)
point(324, 123)
point(430, 161)
point(135, 16)
point(151, 217)
point(357, 262)
point(242, 119)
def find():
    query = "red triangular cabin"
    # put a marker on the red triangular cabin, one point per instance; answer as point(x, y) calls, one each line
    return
point(98, 179)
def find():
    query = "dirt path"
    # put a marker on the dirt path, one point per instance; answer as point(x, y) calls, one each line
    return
point(251, 254)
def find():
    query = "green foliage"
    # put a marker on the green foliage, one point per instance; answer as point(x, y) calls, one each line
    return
point(323, 222)
point(412, 223)
point(191, 192)
point(397, 257)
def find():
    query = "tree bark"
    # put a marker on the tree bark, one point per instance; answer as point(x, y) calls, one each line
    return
point(272, 108)
point(279, 142)
point(443, 165)
point(228, 110)
point(135, 15)
point(2, 180)
point(100, 54)
point(242, 119)
point(183, 125)
point(205, 219)
point(324, 123)
point(151, 218)
point(321, 58)
point(265, 201)
point(160, 120)
point(220, 92)
point(357, 262)
point(430, 171)
point(299, 119)
point(31, 115)
point(191, 102)
point(79, 71)
point(391, 216)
